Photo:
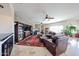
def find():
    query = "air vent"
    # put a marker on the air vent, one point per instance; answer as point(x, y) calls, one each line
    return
point(1, 6)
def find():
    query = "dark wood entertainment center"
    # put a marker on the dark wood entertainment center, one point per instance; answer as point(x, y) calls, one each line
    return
point(19, 30)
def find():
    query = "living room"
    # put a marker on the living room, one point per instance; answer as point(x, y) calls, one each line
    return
point(50, 28)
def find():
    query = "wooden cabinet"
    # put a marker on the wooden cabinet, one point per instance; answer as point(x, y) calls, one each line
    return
point(19, 34)
point(20, 29)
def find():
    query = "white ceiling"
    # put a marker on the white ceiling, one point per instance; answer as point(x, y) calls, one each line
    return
point(36, 12)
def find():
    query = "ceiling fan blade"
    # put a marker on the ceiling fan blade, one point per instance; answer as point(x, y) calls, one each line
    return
point(50, 17)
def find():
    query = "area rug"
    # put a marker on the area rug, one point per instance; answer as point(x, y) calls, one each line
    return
point(32, 41)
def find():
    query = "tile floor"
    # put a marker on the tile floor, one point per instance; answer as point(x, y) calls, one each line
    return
point(73, 47)
point(19, 50)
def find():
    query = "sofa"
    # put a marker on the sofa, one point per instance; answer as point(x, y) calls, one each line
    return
point(62, 43)
point(58, 47)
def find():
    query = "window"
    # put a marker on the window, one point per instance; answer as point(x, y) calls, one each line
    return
point(56, 29)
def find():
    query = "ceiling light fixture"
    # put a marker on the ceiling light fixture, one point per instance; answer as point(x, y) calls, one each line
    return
point(1, 6)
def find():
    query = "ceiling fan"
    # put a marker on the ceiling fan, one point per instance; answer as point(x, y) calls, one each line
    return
point(1, 6)
point(48, 17)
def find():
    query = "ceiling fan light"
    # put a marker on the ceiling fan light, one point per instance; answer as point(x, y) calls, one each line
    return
point(46, 19)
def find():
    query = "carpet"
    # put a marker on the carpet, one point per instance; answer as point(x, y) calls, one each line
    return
point(32, 41)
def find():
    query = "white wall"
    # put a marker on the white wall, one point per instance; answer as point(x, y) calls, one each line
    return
point(64, 23)
point(6, 21)
point(6, 24)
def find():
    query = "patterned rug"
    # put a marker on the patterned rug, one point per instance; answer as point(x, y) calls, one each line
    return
point(32, 41)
